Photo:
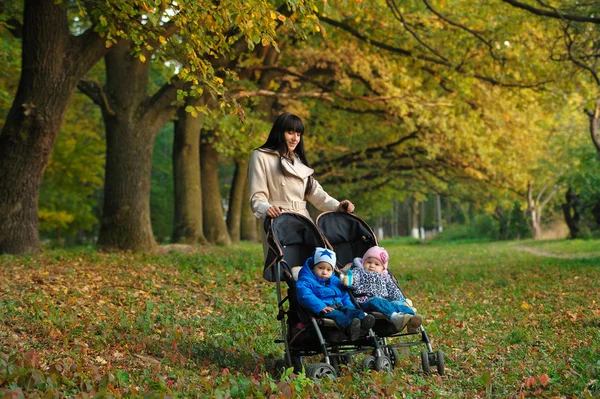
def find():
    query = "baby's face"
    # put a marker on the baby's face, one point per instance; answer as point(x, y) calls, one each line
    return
point(373, 265)
point(323, 270)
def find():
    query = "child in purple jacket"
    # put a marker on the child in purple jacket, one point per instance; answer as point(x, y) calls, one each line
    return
point(376, 291)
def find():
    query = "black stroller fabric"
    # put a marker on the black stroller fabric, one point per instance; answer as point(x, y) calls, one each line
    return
point(347, 234)
point(292, 239)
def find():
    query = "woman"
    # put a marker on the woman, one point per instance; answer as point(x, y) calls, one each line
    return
point(281, 178)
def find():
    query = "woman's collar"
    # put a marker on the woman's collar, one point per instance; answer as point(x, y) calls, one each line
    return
point(297, 168)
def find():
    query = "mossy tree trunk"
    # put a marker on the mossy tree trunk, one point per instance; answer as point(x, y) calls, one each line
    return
point(53, 61)
point(187, 177)
point(248, 227)
point(215, 229)
point(132, 120)
point(236, 200)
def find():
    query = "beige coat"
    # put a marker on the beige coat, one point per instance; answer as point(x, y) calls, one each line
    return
point(274, 180)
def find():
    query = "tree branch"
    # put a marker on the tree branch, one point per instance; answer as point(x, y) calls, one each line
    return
point(580, 64)
point(96, 93)
point(346, 159)
point(164, 98)
point(269, 93)
point(381, 45)
point(470, 31)
point(89, 48)
point(406, 53)
point(552, 14)
point(398, 15)
point(15, 27)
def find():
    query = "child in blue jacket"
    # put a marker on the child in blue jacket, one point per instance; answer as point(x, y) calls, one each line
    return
point(324, 295)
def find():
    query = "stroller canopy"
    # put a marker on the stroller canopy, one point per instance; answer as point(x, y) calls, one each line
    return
point(292, 239)
point(347, 234)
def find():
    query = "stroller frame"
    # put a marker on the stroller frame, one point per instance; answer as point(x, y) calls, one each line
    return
point(341, 230)
point(315, 336)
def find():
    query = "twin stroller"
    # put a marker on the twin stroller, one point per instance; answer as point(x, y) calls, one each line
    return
point(292, 238)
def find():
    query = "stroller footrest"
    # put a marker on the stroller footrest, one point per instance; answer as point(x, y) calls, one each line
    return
point(327, 323)
point(379, 316)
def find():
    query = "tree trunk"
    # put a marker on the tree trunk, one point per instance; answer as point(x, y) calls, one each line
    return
point(536, 229)
point(593, 118)
point(132, 121)
point(572, 219)
point(236, 199)
point(414, 218)
point(438, 207)
point(596, 213)
point(215, 229)
point(248, 228)
point(503, 222)
point(186, 174)
point(52, 64)
point(536, 207)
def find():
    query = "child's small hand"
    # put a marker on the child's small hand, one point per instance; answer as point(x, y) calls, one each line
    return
point(327, 309)
point(410, 305)
point(347, 278)
point(344, 279)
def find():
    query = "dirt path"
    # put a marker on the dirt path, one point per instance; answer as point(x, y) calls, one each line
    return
point(539, 252)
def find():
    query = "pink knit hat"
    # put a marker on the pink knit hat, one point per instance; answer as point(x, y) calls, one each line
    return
point(377, 253)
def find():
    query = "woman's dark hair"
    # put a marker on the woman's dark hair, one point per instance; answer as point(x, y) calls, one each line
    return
point(288, 122)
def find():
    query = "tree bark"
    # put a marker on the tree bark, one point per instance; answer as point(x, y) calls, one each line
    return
point(536, 230)
point(503, 222)
point(52, 63)
point(593, 118)
point(236, 199)
point(248, 228)
point(215, 229)
point(536, 207)
point(132, 120)
point(186, 175)
point(572, 218)
point(414, 218)
point(596, 213)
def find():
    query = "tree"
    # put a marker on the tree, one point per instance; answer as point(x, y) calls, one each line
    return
point(73, 178)
point(536, 206)
point(186, 175)
point(200, 39)
point(53, 61)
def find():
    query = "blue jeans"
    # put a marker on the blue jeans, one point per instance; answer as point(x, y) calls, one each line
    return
point(377, 304)
point(343, 316)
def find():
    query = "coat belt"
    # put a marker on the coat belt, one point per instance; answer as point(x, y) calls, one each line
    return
point(291, 205)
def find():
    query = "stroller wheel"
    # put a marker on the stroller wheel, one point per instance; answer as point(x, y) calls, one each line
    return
point(318, 371)
point(440, 363)
point(369, 363)
point(394, 355)
point(425, 361)
point(383, 363)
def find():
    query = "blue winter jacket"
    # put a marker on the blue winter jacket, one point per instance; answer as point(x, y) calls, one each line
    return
point(315, 294)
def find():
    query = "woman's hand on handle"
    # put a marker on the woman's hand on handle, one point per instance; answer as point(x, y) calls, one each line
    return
point(273, 211)
point(346, 206)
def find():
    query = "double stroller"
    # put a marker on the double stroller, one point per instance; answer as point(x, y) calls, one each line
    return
point(291, 239)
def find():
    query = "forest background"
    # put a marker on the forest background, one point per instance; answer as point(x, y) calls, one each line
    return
point(130, 123)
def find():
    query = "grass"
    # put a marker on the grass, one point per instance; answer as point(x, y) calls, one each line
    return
point(82, 323)
point(577, 247)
